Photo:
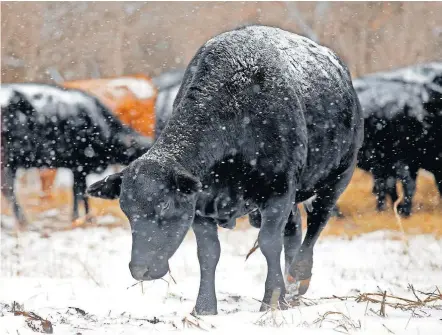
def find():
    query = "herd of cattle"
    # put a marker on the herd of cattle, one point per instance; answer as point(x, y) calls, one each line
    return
point(261, 120)
point(50, 126)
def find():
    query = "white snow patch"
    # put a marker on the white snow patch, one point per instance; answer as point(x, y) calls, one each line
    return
point(420, 74)
point(88, 269)
point(140, 87)
point(5, 96)
point(50, 99)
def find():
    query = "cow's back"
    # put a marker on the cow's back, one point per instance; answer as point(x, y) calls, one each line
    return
point(291, 91)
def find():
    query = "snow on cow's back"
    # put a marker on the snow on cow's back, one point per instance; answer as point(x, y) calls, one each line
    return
point(392, 98)
point(296, 57)
point(6, 94)
point(304, 48)
point(420, 74)
point(47, 99)
point(52, 104)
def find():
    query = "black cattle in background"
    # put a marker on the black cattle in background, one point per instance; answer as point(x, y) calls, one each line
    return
point(167, 84)
point(409, 92)
point(403, 120)
point(401, 127)
point(52, 127)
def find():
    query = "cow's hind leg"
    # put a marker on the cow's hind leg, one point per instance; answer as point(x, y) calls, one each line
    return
point(7, 182)
point(380, 191)
point(301, 267)
point(391, 189)
point(292, 242)
point(274, 217)
point(208, 249)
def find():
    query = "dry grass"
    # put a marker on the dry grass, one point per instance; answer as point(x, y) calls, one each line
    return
point(342, 323)
point(357, 204)
point(34, 322)
point(420, 301)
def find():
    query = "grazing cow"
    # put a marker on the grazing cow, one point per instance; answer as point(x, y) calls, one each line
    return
point(48, 126)
point(264, 119)
point(402, 121)
point(403, 112)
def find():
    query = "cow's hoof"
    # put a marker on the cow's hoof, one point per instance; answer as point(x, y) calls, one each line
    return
point(78, 222)
point(206, 304)
point(282, 304)
point(303, 286)
point(273, 299)
point(88, 219)
point(21, 223)
point(301, 271)
point(295, 288)
point(404, 210)
point(381, 206)
point(91, 220)
point(21, 226)
point(202, 311)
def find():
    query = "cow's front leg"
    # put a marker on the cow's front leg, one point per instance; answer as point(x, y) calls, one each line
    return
point(391, 189)
point(206, 233)
point(79, 190)
point(274, 218)
point(408, 175)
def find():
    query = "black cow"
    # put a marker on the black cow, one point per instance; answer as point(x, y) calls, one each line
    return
point(403, 115)
point(264, 119)
point(49, 126)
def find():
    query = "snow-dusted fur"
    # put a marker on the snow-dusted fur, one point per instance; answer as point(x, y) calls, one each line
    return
point(167, 84)
point(264, 119)
point(49, 126)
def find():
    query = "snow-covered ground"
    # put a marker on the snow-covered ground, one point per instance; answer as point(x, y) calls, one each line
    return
point(79, 280)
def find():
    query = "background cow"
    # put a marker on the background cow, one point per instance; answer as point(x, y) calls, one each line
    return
point(48, 126)
point(403, 118)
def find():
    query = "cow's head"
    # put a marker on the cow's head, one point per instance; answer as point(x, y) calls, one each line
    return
point(159, 200)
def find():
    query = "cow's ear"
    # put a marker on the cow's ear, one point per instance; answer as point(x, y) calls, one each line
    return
point(186, 183)
point(107, 188)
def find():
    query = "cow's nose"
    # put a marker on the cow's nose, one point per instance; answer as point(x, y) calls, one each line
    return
point(138, 271)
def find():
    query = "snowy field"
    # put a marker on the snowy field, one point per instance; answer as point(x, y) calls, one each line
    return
point(79, 280)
